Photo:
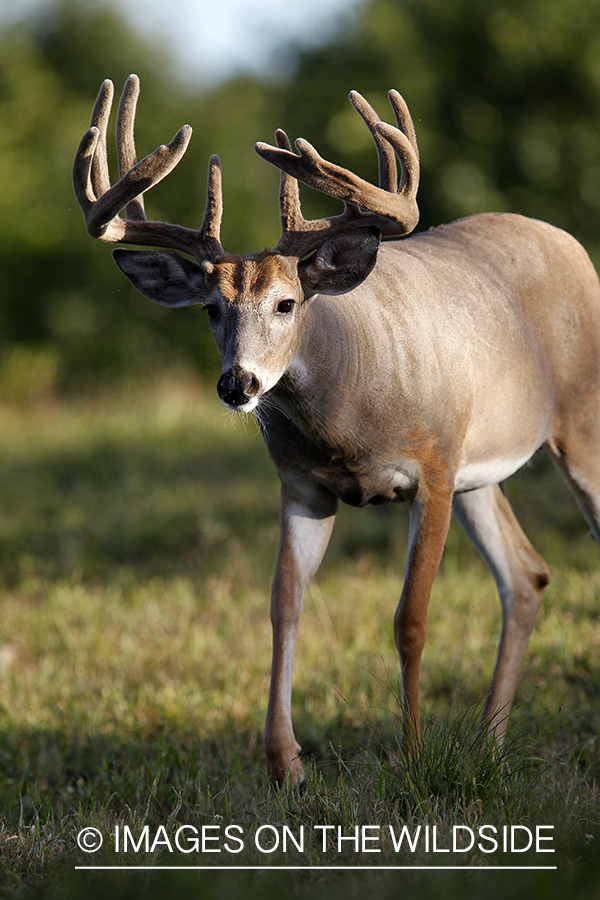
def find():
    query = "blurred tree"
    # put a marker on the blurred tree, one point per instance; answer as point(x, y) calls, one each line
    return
point(505, 96)
point(67, 316)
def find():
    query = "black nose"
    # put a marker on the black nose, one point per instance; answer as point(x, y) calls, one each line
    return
point(236, 388)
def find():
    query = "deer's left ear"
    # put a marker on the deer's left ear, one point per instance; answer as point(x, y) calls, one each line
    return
point(341, 263)
point(165, 278)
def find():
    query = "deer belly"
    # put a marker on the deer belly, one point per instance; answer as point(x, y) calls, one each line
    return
point(473, 475)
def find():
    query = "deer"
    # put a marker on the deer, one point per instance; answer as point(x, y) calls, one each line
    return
point(425, 370)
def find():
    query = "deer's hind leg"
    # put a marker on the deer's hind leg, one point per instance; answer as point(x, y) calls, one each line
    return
point(578, 462)
point(521, 577)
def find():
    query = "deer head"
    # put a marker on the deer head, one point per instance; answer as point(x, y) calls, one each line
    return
point(256, 304)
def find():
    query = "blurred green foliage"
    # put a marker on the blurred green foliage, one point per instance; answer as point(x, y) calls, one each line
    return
point(505, 96)
point(67, 316)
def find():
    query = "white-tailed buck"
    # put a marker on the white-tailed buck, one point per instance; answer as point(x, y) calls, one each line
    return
point(451, 357)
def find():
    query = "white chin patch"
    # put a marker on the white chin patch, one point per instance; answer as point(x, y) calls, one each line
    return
point(246, 407)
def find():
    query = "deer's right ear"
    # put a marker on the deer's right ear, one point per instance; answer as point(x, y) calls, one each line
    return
point(165, 278)
point(341, 263)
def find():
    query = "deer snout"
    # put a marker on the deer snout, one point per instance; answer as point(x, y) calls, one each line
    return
point(237, 388)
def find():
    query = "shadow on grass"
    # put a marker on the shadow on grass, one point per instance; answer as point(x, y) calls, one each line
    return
point(110, 506)
point(524, 885)
point(53, 785)
point(177, 503)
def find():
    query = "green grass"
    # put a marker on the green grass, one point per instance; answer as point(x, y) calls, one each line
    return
point(138, 533)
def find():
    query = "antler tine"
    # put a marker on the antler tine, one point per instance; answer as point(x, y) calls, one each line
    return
point(388, 179)
point(404, 141)
point(210, 230)
point(289, 192)
point(100, 116)
point(102, 203)
point(393, 210)
point(125, 138)
point(403, 118)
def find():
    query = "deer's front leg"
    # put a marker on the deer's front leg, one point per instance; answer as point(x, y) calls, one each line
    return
point(304, 529)
point(428, 528)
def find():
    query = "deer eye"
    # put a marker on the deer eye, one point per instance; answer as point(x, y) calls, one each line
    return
point(212, 312)
point(285, 306)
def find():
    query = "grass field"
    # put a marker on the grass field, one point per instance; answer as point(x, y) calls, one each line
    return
point(138, 533)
